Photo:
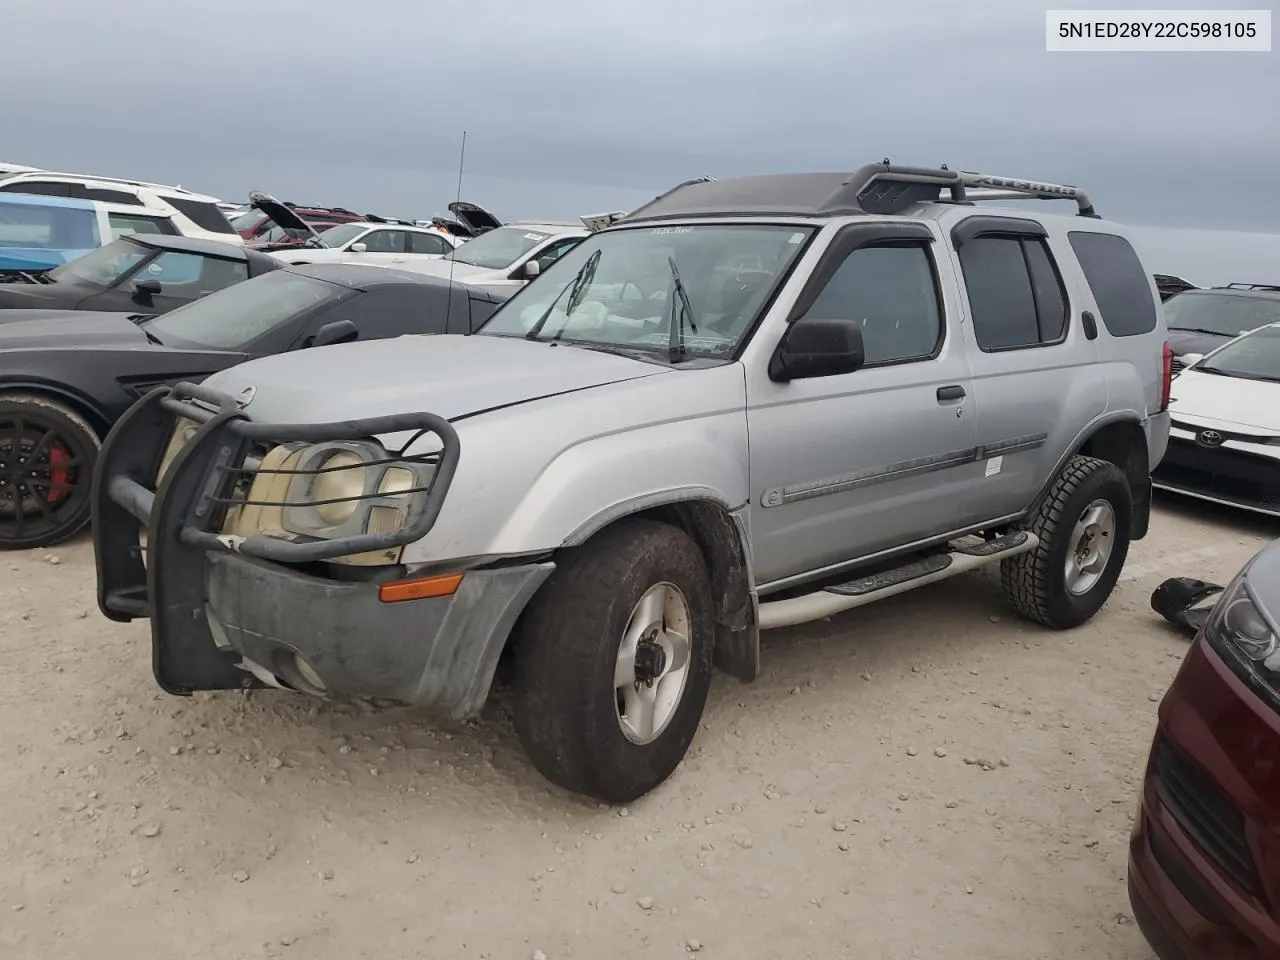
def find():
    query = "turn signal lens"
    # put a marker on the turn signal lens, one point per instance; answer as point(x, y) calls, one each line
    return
point(442, 585)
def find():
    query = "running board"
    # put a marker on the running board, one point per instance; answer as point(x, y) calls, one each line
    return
point(857, 593)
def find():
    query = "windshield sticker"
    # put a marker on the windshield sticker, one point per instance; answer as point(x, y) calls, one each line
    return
point(535, 236)
point(796, 238)
point(668, 231)
point(154, 268)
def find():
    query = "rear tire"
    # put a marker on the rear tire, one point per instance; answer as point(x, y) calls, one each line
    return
point(638, 593)
point(1086, 518)
point(47, 456)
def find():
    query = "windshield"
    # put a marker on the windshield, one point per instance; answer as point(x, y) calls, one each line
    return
point(235, 316)
point(342, 234)
point(628, 295)
point(1255, 357)
point(1227, 314)
point(105, 265)
point(498, 249)
point(248, 220)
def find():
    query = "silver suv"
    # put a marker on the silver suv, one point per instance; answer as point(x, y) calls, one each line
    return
point(748, 404)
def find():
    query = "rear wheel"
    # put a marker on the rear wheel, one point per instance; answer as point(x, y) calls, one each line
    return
point(613, 664)
point(47, 453)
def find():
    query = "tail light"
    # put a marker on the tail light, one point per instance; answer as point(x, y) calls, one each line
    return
point(1166, 377)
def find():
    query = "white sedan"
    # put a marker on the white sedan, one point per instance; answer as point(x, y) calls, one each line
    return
point(383, 244)
point(1224, 442)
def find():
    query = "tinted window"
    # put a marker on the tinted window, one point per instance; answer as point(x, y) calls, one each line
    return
point(205, 215)
point(41, 188)
point(1120, 285)
point(106, 196)
point(241, 314)
point(1015, 294)
point(890, 290)
point(427, 243)
point(123, 224)
point(47, 227)
point(384, 241)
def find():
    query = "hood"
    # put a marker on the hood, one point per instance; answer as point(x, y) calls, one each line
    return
point(474, 218)
point(1186, 341)
point(1230, 402)
point(283, 215)
point(462, 272)
point(27, 329)
point(39, 293)
point(35, 258)
point(449, 375)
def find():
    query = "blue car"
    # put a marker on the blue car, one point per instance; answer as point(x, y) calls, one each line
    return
point(39, 232)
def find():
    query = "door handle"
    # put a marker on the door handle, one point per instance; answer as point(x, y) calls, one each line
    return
point(953, 392)
point(1090, 325)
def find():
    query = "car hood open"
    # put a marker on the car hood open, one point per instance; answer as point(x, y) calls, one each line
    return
point(40, 329)
point(282, 215)
point(450, 375)
point(1233, 401)
point(473, 217)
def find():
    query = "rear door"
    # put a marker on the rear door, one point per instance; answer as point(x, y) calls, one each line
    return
point(1036, 380)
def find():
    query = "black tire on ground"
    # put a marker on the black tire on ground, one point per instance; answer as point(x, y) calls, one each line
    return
point(63, 449)
point(564, 661)
point(1036, 582)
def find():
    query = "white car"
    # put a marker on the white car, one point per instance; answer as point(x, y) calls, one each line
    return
point(377, 240)
point(9, 169)
point(193, 214)
point(1224, 439)
point(502, 260)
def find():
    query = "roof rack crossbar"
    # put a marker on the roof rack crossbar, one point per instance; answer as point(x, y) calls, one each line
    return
point(1253, 286)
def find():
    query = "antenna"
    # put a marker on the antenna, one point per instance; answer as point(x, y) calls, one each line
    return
point(448, 304)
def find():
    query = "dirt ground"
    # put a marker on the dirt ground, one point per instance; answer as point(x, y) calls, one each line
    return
point(828, 810)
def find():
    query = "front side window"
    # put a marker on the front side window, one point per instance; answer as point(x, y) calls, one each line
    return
point(203, 274)
point(1224, 314)
point(890, 291)
point(498, 249)
point(619, 288)
point(384, 241)
point(1015, 293)
point(1252, 357)
point(105, 265)
point(34, 225)
point(235, 317)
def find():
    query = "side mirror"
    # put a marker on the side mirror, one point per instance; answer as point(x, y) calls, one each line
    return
point(340, 331)
point(144, 290)
point(358, 247)
point(532, 269)
point(817, 348)
point(1187, 359)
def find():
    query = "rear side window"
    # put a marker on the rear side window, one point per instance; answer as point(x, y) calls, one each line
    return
point(1015, 292)
point(203, 214)
point(105, 195)
point(123, 224)
point(1118, 281)
point(47, 228)
point(42, 188)
point(427, 243)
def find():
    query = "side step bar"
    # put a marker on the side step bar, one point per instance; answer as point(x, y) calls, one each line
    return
point(857, 593)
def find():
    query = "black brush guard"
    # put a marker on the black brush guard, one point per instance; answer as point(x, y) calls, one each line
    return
point(183, 516)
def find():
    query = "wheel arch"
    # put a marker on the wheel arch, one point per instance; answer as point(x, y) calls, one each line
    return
point(82, 405)
point(721, 534)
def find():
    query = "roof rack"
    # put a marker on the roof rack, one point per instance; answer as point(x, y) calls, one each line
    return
point(876, 188)
point(1252, 286)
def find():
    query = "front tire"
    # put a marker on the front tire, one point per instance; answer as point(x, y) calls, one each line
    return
point(1084, 526)
point(47, 454)
point(613, 664)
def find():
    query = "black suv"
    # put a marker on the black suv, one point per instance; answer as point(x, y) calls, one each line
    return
point(1203, 320)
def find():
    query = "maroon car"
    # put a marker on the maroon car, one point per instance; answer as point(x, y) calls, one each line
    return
point(255, 225)
point(1204, 856)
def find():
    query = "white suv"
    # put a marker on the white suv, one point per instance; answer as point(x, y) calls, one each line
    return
point(193, 214)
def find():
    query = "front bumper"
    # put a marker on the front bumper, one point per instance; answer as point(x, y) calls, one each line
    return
point(230, 612)
point(1204, 853)
point(1236, 472)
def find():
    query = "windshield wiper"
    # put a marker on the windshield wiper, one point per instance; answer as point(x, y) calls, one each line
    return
point(1205, 368)
point(151, 336)
point(574, 289)
point(680, 309)
point(1212, 333)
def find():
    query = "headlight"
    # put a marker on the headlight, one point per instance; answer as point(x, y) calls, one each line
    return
point(334, 491)
point(1245, 636)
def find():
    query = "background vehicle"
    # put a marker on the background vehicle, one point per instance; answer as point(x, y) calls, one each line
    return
point(194, 214)
point(503, 259)
point(142, 273)
point(254, 224)
point(66, 377)
point(1169, 285)
point(1203, 883)
point(1201, 320)
point(671, 441)
point(38, 233)
point(1224, 439)
point(8, 169)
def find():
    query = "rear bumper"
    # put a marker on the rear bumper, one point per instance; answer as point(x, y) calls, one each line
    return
point(228, 611)
point(1204, 844)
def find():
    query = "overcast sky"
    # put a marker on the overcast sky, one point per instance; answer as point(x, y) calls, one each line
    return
point(576, 107)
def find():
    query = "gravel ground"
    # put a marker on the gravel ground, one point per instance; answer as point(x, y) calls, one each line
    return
point(926, 778)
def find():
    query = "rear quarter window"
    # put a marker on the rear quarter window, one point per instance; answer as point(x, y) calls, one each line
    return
point(204, 215)
point(1118, 280)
